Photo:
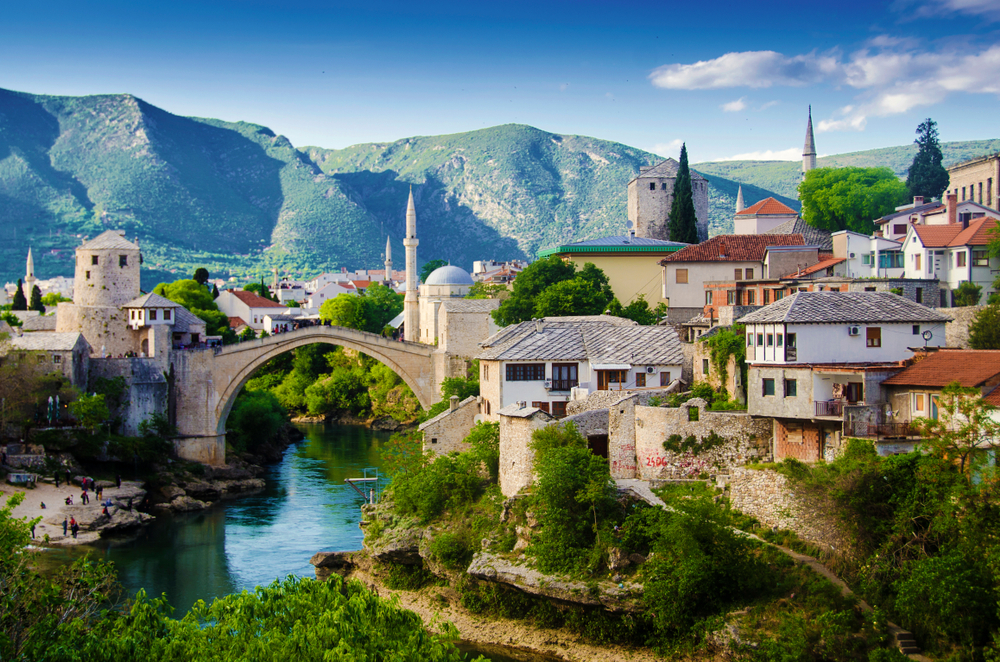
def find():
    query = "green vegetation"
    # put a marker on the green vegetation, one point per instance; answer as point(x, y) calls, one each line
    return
point(198, 300)
point(19, 302)
point(371, 311)
point(481, 290)
point(927, 177)
point(968, 294)
point(725, 344)
point(36, 300)
point(984, 332)
point(53, 299)
point(683, 222)
point(429, 268)
point(850, 198)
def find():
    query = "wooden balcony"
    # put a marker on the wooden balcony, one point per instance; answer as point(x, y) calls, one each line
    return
point(830, 408)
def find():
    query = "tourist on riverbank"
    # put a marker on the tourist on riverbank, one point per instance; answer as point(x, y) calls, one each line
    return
point(33, 530)
point(73, 526)
point(83, 497)
point(65, 526)
point(118, 480)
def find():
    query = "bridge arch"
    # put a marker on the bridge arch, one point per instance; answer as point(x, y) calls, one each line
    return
point(413, 362)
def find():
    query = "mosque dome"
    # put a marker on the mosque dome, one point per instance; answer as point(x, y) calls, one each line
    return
point(449, 275)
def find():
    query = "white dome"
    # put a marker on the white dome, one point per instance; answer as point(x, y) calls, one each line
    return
point(449, 275)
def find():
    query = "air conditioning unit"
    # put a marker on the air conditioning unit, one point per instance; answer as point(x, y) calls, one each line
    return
point(852, 255)
point(650, 369)
point(854, 330)
point(548, 383)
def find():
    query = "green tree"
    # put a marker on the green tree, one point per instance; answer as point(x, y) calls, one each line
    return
point(383, 305)
point(968, 294)
point(36, 300)
point(683, 224)
point(984, 332)
point(850, 198)
point(638, 311)
point(215, 292)
point(482, 290)
point(256, 418)
point(429, 268)
point(200, 276)
point(198, 300)
point(927, 177)
point(964, 429)
point(54, 299)
point(535, 278)
point(90, 410)
point(571, 297)
point(19, 302)
point(346, 310)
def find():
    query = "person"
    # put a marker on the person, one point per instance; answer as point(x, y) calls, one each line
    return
point(83, 497)
point(75, 528)
point(57, 480)
point(65, 526)
point(129, 507)
point(69, 500)
point(118, 480)
point(98, 492)
point(33, 530)
point(43, 505)
point(105, 511)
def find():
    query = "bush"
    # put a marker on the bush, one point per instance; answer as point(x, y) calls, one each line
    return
point(256, 418)
point(447, 482)
point(485, 440)
point(454, 549)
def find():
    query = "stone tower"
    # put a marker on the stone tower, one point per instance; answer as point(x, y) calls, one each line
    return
point(29, 277)
point(650, 195)
point(106, 278)
point(411, 301)
point(388, 260)
point(740, 205)
point(809, 150)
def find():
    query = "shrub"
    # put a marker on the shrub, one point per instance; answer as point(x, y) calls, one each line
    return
point(256, 418)
point(453, 549)
point(448, 481)
point(485, 440)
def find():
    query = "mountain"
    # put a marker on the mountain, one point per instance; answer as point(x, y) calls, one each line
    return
point(783, 177)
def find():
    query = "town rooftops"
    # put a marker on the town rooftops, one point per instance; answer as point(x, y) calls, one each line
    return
point(843, 307)
point(151, 301)
point(616, 244)
point(47, 342)
point(112, 239)
point(915, 209)
point(812, 236)
point(825, 262)
point(968, 367)
point(767, 207)
point(254, 300)
point(515, 410)
point(733, 248)
point(956, 234)
point(665, 168)
point(601, 339)
point(185, 320)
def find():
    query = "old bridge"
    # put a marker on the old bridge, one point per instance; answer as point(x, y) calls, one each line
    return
point(207, 381)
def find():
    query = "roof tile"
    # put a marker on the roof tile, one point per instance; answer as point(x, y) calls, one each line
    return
point(733, 248)
point(767, 206)
point(969, 367)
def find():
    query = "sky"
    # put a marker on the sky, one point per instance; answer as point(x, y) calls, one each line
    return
point(729, 81)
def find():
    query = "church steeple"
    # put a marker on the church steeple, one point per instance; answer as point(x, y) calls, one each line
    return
point(411, 303)
point(740, 206)
point(809, 150)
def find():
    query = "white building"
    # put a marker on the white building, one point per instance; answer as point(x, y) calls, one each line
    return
point(547, 362)
point(330, 290)
point(868, 257)
point(762, 217)
point(954, 253)
point(250, 307)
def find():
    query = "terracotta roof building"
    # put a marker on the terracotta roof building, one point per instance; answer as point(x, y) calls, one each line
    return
point(763, 217)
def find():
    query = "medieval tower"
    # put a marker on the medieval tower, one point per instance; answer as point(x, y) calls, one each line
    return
point(650, 195)
point(809, 150)
point(411, 302)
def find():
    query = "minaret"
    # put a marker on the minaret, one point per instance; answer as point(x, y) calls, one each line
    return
point(388, 261)
point(29, 277)
point(809, 150)
point(411, 304)
point(740, 206)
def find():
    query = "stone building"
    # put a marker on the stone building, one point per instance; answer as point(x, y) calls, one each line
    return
point(651, 193)
point(763, 217)
point(66, 353)
point(976, 180)
point(446, 432)
point(443, 284)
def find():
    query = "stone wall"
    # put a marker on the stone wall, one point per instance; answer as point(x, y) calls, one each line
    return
point(104, 327)
point(148, 392)
point(605, 399)
point(589, 423)
point(446, 432)
point(928, 288)
point(773, 500)
point(702, 352)
point(748, 439)
point(957, 331)
point(516, 457)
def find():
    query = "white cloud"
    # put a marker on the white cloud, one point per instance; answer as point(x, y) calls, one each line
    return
point(735, 106)
point(989, 9)
point(891, 76)
point(767, 105)
point(790, 154)
point(668, 149)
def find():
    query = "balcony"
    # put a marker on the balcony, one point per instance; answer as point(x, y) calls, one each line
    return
point(830, 408)
point(879, 430)
point(561, 384)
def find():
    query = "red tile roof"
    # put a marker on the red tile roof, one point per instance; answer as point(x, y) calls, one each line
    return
point(824, 263)
point(993, 398)
point(969, 367)
point(236, 322)
point(953, 235)
point(733, 248)
point(767, 206)
point(254, 300)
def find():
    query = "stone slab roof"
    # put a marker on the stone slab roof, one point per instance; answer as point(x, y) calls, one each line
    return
point(924, 208)
point(767, 207)
point(812, 236)
point(516, 411)
point(596, 339)
point(185, 321)
point(111, 239)
point(39, 323)
point(470, 305)
point(969, 367)
point(47, 342)
point(446, 412)
point(733, 248)
point(843, 307)
point(666, 168)
point(151, 301)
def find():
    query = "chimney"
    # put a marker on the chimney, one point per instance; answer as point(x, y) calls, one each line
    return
point(631, 235)
point(952, 204)
point(918, 200)
point(965, 221)
point(453, 403)
point(539, 325)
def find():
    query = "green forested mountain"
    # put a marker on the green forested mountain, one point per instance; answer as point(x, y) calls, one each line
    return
point(238, 199)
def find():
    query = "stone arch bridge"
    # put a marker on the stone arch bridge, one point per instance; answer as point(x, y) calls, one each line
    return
point(205, 382)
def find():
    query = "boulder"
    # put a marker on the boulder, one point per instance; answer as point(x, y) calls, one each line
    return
point(185, 504)
point(202, 490)
point(170, 492)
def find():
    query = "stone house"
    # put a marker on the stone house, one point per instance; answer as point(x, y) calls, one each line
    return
point(249, 307)
point(446, 432)
point(976, 180)
point(816, 362)
point(517, 423)
point(464, 323)
point(162, 324)
point(651, 194)
point(66, 353)
point(548, 362)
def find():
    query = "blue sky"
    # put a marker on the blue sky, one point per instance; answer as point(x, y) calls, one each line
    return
point(730, 81)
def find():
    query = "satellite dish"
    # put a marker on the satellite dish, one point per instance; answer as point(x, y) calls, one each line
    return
point(628, 225)
point(479, 418)
point(927, 335)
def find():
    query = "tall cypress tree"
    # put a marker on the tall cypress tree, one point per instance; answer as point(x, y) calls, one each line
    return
point(683, 220)
point(19, 302)
point(36, 300)
point(927, 177)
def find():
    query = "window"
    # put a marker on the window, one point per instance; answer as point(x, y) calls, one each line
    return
point(791, 388)
point(559, 409)
point(919, 295)
point(916, 329)
point(682, 276)
point(749, 339)
point(152, 314)
point(525, 372)
point(749, 274)
point(564, 376)
point(739, 274)
point(56, 358)
point(980, 258)
point(768, 386)
point(708, 298)
point(916, 261)
point(544, 406)
point(899, 228)
point(791, 341)
point(731, 297)
point(866, 258)
point(611, 379)
point(751, 297)
point(770, 340)
point(779, 339)
point(869, 289)
point(664, 378)
point(640, 380)
point(779, 295)
point(873, 336)
point(93, 259)
point(123, 260)
point(960, 259)
point(918, 402)
point(767, 297)
point(704, 366)
point(88, 275)
point(166, 314)
point(486, 371)
point(652, 186)
point(663, 186)
point(890, 260)
point(760, 339)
